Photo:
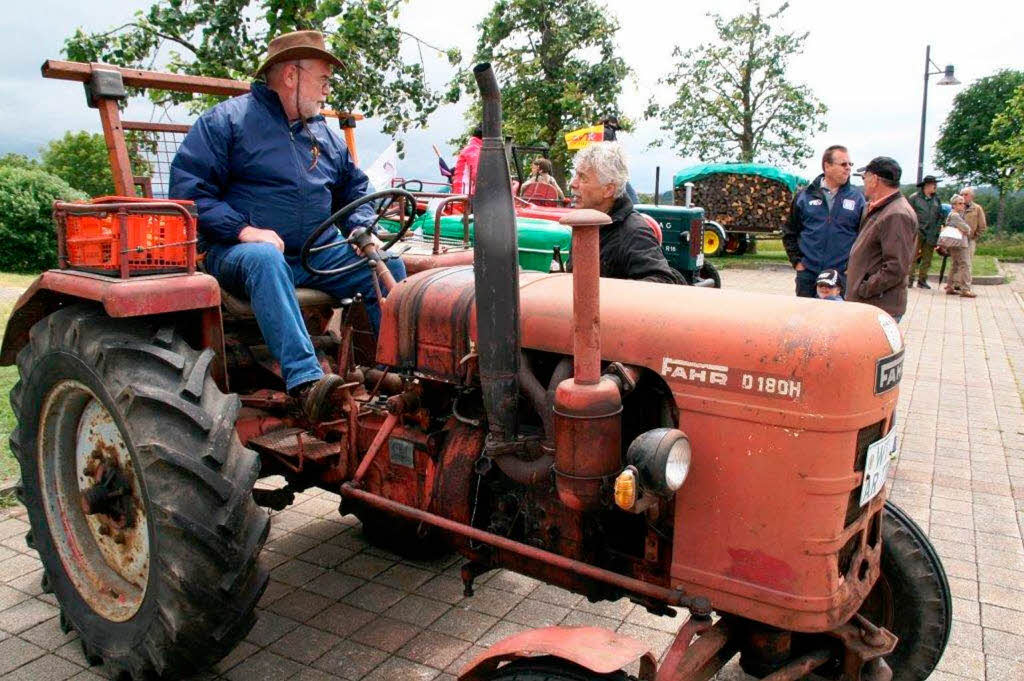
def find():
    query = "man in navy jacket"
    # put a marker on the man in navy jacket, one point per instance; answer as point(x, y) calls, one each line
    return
point(823, 222)
point(265, 170)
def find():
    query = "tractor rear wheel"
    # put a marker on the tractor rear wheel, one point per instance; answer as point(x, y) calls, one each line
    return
point(138, 492)
point(911, 598)
point(736, 243)
point(551, 669)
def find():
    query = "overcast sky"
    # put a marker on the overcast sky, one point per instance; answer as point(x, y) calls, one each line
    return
point(864, 60)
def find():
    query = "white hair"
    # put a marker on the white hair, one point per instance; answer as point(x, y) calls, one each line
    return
point(608, 161)
point(968, 190)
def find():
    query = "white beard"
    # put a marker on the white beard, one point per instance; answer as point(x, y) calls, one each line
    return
point(309, 107)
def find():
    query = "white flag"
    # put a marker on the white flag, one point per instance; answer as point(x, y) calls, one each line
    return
point(384, 169)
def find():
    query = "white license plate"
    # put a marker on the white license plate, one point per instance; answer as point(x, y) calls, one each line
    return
point(876, 467)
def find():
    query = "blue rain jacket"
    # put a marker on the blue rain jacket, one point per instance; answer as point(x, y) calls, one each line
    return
point(243, 164)
point(819, 238)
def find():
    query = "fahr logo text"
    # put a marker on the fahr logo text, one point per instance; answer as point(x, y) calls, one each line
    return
point(888, 372)
point(727, 378)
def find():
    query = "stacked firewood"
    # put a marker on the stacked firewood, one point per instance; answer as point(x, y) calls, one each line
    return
point(741, 202)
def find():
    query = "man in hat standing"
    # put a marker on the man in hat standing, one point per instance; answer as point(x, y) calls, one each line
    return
point(928, 208)
point(265, 171)
point(974, 215)
point(883, 253)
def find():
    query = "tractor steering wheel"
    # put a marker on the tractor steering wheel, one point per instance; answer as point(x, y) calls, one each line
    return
point(362, 235)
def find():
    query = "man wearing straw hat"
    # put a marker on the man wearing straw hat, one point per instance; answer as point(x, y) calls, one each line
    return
point(265, 170)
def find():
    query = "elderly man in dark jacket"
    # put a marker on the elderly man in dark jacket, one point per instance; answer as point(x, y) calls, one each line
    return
point(629, 249)
point(884, 251)
point(823, 222)
point(928, 208)
point(265, 170)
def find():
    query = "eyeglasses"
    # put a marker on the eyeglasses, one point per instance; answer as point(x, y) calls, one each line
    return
point(323, 81)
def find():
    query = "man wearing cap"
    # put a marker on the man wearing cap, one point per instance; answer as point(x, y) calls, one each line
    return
point(883, 253)
point(974, 215)
point(265, 170)
point(928, 208)
point(823, 222)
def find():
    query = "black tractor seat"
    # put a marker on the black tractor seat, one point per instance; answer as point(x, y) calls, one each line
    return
point(307, 297)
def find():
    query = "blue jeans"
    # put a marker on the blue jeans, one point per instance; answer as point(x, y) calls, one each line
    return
point(268, 279)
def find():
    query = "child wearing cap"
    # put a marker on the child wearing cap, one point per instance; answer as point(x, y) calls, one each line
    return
point(828, 287)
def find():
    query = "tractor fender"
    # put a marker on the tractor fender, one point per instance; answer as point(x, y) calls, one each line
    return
point(599, 650)
point(139, 297)
point(717, 228)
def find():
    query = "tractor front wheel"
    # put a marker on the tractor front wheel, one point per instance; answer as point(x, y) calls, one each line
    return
point(911, 598)
point(714, 239)
point(138, 492)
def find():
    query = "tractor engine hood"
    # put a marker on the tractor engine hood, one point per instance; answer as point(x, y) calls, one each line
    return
point(791, 361)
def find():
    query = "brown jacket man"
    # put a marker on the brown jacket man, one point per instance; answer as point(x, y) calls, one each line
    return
point(883, 252)
point(974, 215)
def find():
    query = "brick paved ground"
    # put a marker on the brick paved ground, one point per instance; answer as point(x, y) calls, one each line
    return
point(338, 609)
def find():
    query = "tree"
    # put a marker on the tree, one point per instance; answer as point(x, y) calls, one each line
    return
point(963, 149)
point(557, 66)
point(12, 160)
point(733, 101)
point(81, 160)
point(228, 38)
point(26, 218)
point(1007, 145)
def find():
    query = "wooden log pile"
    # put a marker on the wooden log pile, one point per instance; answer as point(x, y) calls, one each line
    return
point(748, 203)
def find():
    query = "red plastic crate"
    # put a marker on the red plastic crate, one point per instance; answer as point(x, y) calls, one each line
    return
point(145, 235)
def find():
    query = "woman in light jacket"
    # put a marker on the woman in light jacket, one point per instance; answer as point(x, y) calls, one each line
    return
point(958, 274)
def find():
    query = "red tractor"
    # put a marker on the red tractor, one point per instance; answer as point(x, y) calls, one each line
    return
point(711, 451)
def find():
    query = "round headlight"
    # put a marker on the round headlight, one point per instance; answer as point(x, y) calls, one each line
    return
point(662, 457)
point(678, 464)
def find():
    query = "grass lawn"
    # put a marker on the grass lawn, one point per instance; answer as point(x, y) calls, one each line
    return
point(11, 280)
point(8, 377)
point(770, 252)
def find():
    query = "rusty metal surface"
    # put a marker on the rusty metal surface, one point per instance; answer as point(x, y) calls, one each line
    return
point(586, 305)
point(599, 650)
point(93, 500)
point(783, 570)
point(136, 297)
point(588, 441)
point(555, 561)
point(689, 659)
point(117, 150)
point(294, 447)
point(148, 126)
point(81, 72)
point(421, 262)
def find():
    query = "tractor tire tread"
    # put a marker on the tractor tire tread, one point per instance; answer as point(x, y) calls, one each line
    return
point(205, 574)
point(907, 550)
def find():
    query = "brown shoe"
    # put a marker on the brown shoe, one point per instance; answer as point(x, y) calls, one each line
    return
point(968, 294)
point(951, 291)
point(313, 396)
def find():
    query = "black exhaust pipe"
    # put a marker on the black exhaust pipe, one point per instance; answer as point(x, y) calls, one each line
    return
point(496, 271)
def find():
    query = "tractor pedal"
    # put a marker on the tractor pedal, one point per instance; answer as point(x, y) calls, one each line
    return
point(295, 445)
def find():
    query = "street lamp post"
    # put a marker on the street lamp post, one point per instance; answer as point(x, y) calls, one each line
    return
point(947, 79)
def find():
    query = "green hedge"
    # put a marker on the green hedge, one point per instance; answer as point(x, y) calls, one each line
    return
point(26, 218)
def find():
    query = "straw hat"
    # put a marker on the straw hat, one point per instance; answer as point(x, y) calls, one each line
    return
point(297, 45)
